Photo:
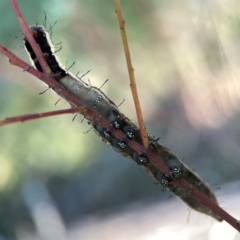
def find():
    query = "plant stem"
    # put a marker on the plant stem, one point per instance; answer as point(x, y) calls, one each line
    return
point(28, 117)
point(29, 36)
point(133, 85)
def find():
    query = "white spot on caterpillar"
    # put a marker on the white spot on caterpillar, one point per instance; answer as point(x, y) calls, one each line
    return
point(122, 144)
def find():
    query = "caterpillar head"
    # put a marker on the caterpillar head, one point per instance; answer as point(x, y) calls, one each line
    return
point(37, 30)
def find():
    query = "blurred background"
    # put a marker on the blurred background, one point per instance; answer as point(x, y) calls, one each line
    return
point(57, 182)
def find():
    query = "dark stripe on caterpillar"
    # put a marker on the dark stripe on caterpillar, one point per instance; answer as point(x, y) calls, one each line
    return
point(98, 101)
point(43, 39)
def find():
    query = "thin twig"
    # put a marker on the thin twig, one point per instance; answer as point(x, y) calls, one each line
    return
point(28, 117)
point(29, 37)
point(133, 85)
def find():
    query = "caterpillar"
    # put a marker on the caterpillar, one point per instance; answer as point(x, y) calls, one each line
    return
point(98, 101)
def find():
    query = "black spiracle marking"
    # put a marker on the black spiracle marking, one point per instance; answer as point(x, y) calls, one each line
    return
point(106, 133)
point(129, 132)
point(140, 159)
point(153, 142)
point(121, 145)
point(175, 166)
point(165, 180)
point(176, 172)
point(103, 132)
point(115, 119)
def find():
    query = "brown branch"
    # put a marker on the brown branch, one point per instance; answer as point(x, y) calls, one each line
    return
point(133, 85)
point(28, 117)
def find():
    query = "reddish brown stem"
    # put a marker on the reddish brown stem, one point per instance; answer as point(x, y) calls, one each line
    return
point(28, 117)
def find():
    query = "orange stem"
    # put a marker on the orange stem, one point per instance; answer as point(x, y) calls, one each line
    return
point(133, 85)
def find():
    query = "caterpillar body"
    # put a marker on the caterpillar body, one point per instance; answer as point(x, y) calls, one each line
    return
point(95, 99)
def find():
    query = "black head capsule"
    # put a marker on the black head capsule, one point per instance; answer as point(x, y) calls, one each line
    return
point(129, 131)
point(140, 159)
